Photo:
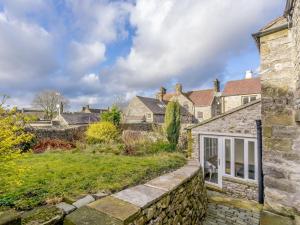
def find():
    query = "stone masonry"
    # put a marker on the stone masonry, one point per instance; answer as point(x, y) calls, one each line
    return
point(281, 142)
point(175, 198)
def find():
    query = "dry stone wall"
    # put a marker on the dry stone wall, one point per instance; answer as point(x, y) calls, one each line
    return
point(175, 198)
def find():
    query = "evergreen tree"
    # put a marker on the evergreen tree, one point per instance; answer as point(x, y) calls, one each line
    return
point(172, 123)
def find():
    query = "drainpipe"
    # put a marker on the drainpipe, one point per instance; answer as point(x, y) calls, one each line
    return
point(259, 161)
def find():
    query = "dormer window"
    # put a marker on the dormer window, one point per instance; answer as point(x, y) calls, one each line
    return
point(186, 105)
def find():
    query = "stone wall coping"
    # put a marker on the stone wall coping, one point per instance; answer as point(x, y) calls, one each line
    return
point(241, 181)
point(148, 193)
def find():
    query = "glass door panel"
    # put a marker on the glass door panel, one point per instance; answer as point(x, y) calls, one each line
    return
point(211, 167)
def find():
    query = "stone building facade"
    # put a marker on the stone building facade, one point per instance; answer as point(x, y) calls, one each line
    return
point(228, 165)
point(279, 47)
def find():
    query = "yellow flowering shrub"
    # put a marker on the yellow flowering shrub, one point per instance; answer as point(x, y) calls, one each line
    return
point(102, 132)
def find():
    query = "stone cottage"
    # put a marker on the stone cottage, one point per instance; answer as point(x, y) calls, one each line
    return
point(195, 105)
point(226, 147)
point(279, 47)
point(150, 110)
point(240, 92)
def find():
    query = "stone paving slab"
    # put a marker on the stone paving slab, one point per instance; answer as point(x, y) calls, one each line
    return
point(88, 216)
point(115, 208)
point(140, 195)
point(84, 201)
point(172, 180)
point(67, 208)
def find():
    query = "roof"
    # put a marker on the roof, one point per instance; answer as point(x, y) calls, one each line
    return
point(242, 87)
point(225, 114)
point(158, 107)
point(97, 110)
point(202, 97)
point(274, 23)
point(32, 110)
point(154, 105)
point(80, 118)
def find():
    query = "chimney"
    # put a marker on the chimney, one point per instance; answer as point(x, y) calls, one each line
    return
point(216, 85)
point(249, 74)
point(61, 108)
point(161, 93)
point(178, 89)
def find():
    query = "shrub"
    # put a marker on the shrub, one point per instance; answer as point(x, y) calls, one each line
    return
point(102, 132)
point(172, 123)
point(48, 144)
point(113, 116)
point(158, 146)
point(131, 140)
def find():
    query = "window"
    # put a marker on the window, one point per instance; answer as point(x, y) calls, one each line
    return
point(251, 160)
point(148, 115)
point(239, 158)
point(200, 115)
point(247, 99)
point(228, 156)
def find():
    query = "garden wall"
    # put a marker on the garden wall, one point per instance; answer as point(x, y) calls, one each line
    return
point(138, 126)
point(175, 198)
point(66, 134)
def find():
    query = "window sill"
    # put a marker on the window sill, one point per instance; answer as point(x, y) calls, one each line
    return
point(248, 182)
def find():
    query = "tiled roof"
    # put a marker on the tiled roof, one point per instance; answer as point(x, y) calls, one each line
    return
point(199, 98)
point(202, 97)
point(80, 118)
point(274, 23)
point(97, 110)
point(242, 87)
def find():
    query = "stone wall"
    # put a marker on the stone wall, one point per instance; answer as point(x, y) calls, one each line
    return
point(226, 211)
point(280, 131)
point(238, 188)
point(175, 198)
point(67, 134)
point(138, 126)
point(231, 102)
point(206, 110)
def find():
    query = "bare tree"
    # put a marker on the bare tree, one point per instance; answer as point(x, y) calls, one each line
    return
point(3, 99)
point(48, 101)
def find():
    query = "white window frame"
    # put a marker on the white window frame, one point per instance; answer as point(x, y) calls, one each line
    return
point(221, 156)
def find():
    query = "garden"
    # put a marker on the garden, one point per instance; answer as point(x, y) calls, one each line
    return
point(106, 160)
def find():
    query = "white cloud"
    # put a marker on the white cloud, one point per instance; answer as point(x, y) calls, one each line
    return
point(177, 39)
point(90, 79)
point(83, 56)
point(26, 51)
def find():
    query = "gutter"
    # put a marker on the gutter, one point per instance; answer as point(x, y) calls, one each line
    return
point(259, 162)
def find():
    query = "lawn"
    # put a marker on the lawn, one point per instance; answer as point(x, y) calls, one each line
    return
point(55, 175)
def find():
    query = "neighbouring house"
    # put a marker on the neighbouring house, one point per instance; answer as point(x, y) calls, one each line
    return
point(150, 110)
point(226, 147)
point(88, 109)
point(76, 119)
point(240, 92)
point(37, 113)
point(196, 105)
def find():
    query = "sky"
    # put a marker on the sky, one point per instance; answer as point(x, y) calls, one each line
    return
point(97, 52)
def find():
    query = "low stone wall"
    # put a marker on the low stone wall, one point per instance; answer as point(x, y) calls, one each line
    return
point(66, 134)
point(138, 126)
point(228, 211)
point(240, 189)
point(175, 198)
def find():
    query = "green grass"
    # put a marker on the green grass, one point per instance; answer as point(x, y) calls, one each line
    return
point(71, 174)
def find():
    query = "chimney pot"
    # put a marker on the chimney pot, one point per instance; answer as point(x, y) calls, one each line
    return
point(249, 74)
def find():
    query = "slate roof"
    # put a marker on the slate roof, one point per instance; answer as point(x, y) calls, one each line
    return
point(242, 87)
point(98, 111)
point(80, 118)
point(158, 107)
point(199, 98)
